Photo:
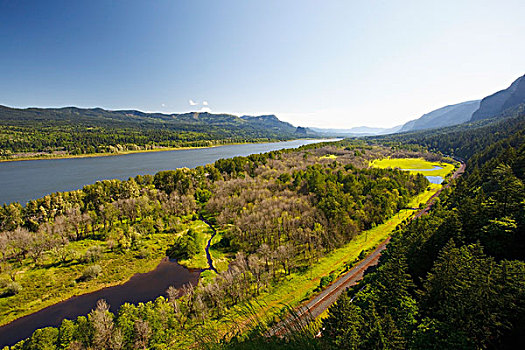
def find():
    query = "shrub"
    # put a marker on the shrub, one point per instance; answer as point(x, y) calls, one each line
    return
point(12, 288)
point(90, 272)
point(143, 253)
point(184, 247)
point(325, 281)
point(93, 254)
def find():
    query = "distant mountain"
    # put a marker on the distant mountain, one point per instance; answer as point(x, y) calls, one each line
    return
point(195, 121)
point(269, 121)
point(444, 116)
point(73, 130)
point(495, 104)
point(358, 131)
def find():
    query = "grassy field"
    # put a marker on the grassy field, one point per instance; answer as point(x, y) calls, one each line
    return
point(329, 156)
point(414, 165)
point(200, 261)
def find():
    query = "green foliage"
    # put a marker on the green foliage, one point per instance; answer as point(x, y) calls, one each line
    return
point(184, 247)
point(77, 131)
point(12, 288)
point(90, 272)
point(93, 254)
point(325, 281)
point(454, 279)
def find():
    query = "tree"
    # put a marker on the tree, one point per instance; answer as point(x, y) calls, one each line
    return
point(102, 322)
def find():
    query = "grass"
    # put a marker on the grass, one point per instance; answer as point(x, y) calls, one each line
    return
point(221, 260)
point(328, 156)
point(411, 164)
point(50, 282)
point(204, 232)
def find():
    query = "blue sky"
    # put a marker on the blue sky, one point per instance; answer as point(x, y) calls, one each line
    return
point(312, 63)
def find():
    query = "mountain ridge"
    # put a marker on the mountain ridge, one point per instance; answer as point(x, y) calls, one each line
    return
point(445, 116)
point(495, 104)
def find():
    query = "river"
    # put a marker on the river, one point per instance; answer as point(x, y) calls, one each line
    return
point(22, 181)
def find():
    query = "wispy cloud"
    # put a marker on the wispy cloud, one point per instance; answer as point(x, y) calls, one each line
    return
point(163, 105)
point(192, 103)
point(204, 103)
point(205, 109)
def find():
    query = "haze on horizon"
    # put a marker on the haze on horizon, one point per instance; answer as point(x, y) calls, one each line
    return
point(335, 64)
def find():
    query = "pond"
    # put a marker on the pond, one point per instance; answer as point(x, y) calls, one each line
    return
point(141, 287)
point(435, 179)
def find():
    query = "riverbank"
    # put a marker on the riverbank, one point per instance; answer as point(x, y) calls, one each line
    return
point(160, 149)
point(50, 283)
point(140, 288)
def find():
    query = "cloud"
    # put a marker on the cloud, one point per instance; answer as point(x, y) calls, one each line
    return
point(204, 103)
point(192, 103)
point(205, 110)
point(163, 105)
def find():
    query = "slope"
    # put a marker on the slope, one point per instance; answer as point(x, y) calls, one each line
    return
point(495, 104)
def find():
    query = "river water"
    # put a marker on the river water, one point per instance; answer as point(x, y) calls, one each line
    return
point(141, 287)
point(25, 180)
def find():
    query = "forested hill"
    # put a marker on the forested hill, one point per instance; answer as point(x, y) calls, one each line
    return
point(453, 279)
point(463, 140)
point(71, 130)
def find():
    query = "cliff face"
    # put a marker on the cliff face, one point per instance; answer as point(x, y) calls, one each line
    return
point(445, 116)
point(497, 103)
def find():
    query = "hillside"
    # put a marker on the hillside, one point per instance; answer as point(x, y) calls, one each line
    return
point(444, 116)
point(495, 104)
point(451, 279)
point(71, 130)
point(358, 131)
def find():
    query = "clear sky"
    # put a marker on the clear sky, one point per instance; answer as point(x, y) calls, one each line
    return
point(312, 63)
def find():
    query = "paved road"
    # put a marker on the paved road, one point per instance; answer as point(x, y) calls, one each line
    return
point(326, 298)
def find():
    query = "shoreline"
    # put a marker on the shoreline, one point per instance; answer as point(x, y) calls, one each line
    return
point(150, 266)
point(107, 154)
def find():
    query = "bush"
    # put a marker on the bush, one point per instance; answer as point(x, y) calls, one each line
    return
point(184, 247)
point(90, 272)
point(93, 254)
point(12, 288)
point(325, 281)
point(143, 253)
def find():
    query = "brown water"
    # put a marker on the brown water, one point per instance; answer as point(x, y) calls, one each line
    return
point(141, 287)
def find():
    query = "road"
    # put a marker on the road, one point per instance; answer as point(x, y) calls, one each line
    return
point(316, 306)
